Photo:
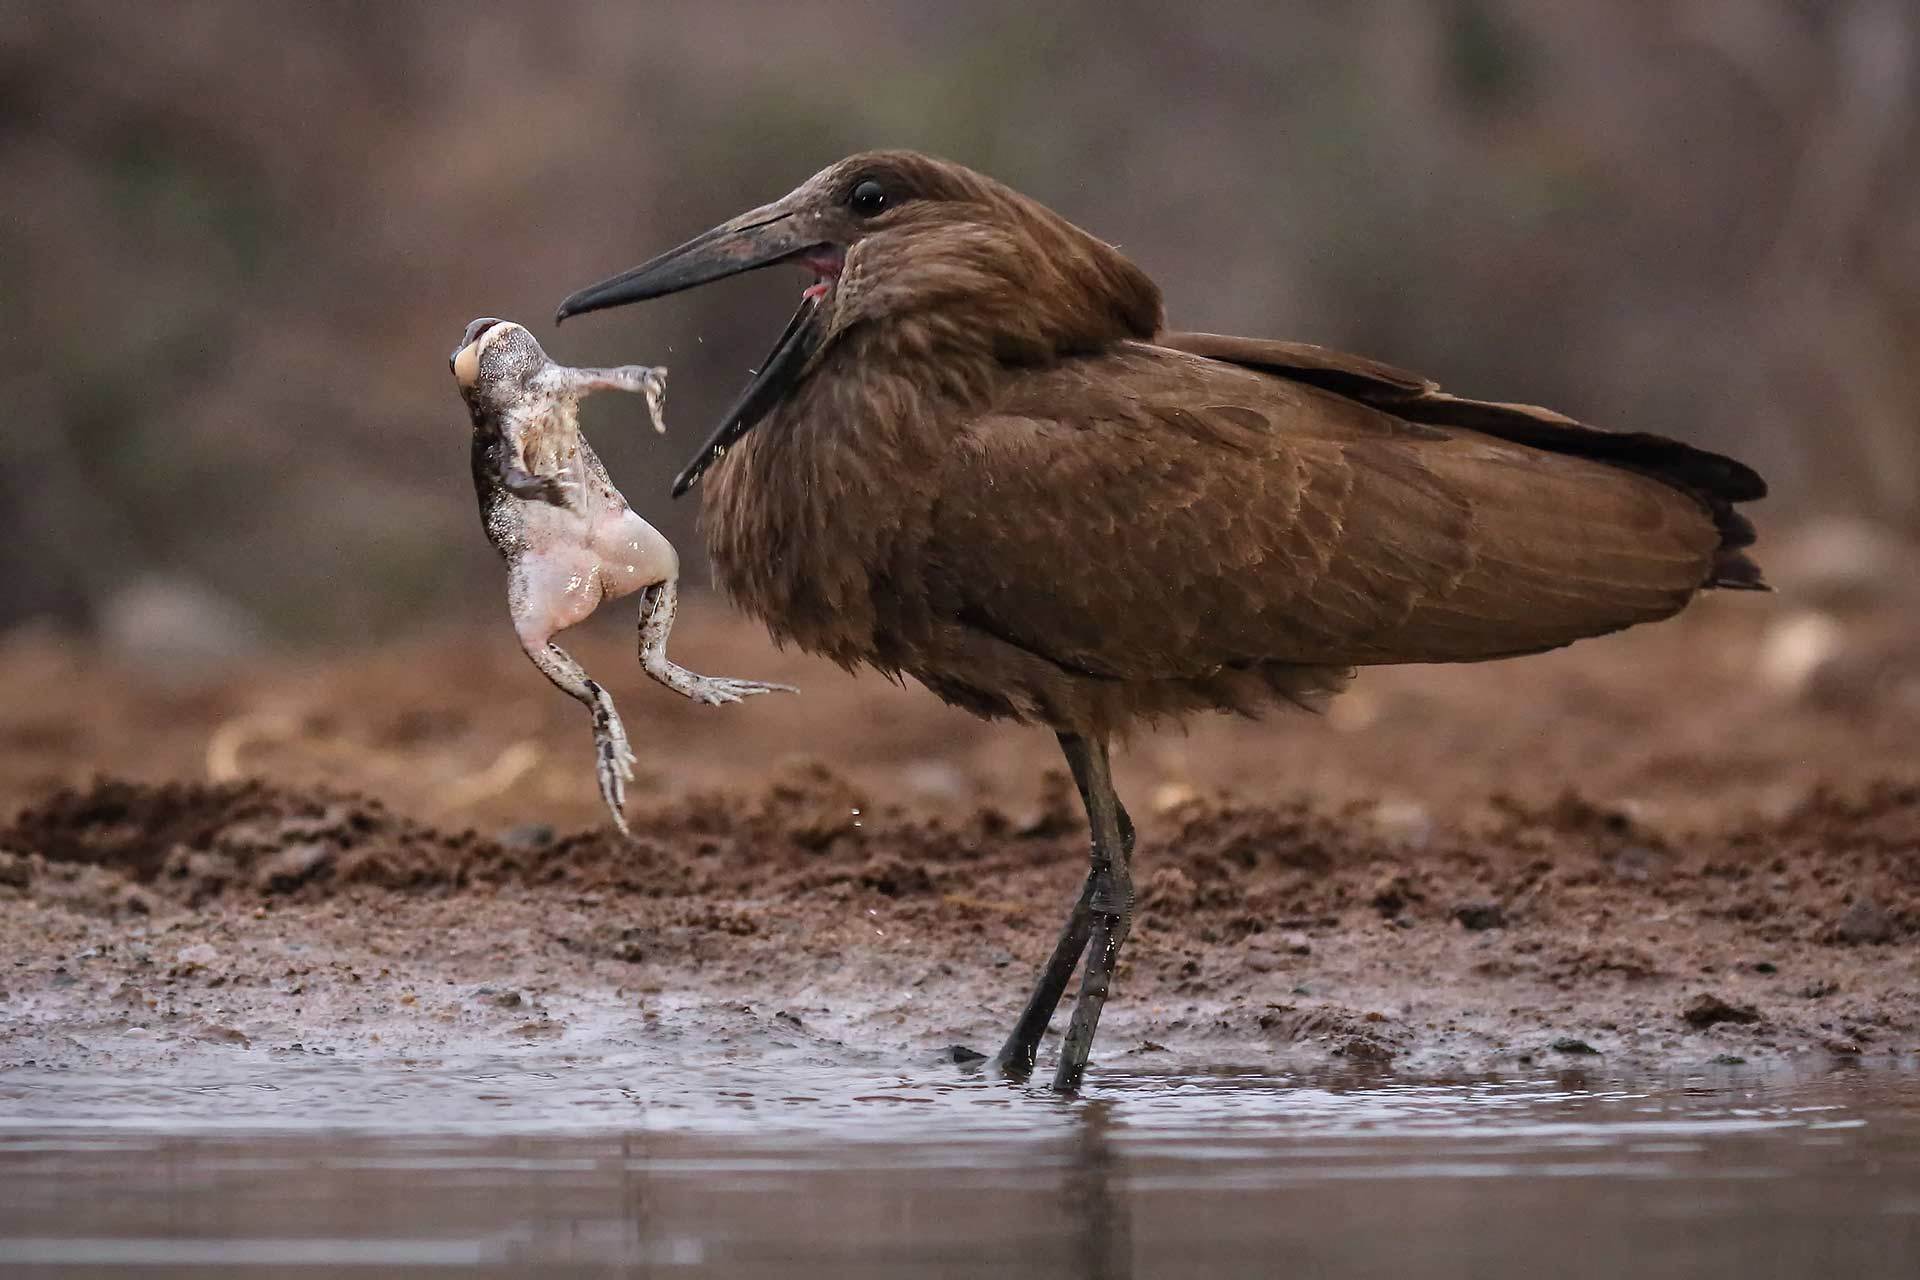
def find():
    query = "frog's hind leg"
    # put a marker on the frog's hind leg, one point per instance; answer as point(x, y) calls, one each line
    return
point(658, 603)
point(614, 756)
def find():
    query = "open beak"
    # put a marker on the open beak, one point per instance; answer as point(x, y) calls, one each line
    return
point(760, 238)
point(778, 372)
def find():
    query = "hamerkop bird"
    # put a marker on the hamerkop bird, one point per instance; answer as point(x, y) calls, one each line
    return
point(978, 457)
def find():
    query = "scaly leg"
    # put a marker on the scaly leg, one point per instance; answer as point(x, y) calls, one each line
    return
point(658, 604)
point(615, 757)
point(1015, 1059)
point(1111, 907)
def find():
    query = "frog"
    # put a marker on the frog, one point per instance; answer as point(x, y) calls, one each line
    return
point(569, 538)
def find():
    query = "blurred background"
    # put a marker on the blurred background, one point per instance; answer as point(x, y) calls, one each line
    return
point(238, 240)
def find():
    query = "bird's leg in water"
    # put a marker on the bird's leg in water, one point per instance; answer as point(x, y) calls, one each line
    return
point(615, 757)
point(1110, 907)
point(658, 604)
point(1015, 1058)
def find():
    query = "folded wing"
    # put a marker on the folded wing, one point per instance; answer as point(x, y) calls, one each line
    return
point(1151, 514)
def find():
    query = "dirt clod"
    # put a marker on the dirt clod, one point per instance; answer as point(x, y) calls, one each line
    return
point(1480, 915)
point(1709, 1010)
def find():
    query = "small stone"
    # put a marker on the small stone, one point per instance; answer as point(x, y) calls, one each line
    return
point(1480, 915)
point(1709, 1010)
point(1261, 960)
point(528, 835)
point(291, 867)
point(1170, 797)
point(1392, 892)
point(1864, 924)
point(1404, 822)
point(200, 953)
point(962, 1055)
point(1727, 1060)
point(1568, 1044)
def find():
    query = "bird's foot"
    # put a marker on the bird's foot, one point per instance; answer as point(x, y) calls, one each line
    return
point(615, 763)
point(1013, 1064)
point(716, 691)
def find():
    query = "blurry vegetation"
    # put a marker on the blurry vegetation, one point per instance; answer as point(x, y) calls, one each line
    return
point(238, 240)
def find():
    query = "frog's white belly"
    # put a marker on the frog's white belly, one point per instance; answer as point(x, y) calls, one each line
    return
point(570, 561)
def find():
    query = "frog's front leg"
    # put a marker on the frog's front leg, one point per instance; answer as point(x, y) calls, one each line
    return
point(658, 604)
point(556, 491)
point(640, 379)
point(543, 603)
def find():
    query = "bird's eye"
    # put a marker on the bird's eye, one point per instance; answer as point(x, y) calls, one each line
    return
point(868, 197)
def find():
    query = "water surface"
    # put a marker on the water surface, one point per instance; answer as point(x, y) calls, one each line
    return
point(576, 1167)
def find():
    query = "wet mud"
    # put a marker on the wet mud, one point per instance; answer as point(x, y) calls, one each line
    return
point(1694, 843)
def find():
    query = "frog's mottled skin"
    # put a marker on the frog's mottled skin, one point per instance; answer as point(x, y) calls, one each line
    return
point(569, 539)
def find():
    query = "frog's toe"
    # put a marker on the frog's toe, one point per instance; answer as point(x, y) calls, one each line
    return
point(717, 691)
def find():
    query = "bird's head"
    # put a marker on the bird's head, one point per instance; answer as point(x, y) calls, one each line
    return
point(894, 238)
point(495, 363)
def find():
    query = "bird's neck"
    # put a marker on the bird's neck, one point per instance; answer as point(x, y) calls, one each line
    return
point(801, 515)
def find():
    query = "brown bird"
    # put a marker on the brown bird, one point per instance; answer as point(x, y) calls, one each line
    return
point(982, 460)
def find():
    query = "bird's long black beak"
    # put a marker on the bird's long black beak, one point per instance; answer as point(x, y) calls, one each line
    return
point(779, 371)
point(755, 239)
point(759, 238)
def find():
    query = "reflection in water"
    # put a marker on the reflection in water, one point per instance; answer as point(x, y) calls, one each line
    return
point(1095, 1202)
point(501, 1168)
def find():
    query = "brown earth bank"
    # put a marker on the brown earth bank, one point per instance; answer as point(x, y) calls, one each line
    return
point(1692, 842)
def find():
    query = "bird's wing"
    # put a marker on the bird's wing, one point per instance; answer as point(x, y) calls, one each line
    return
point(1148, 514)
point(1717, 480)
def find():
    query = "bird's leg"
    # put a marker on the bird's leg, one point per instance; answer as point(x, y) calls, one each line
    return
point(1110, 907)
point(615, 757)
point(657, 606)
point(1015, 1058)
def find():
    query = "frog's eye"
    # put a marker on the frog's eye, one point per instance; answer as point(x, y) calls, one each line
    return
point(466, 364)
point(465, 360)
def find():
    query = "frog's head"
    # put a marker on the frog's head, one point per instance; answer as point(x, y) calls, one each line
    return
point(495, 363)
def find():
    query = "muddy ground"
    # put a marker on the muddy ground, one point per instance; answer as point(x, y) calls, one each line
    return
point(1698, 841)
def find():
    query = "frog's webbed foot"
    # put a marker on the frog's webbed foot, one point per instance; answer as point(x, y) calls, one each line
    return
point(613, 756)
point(658, 604)
point(614, 759)
point(556, 491)
point(715, 691)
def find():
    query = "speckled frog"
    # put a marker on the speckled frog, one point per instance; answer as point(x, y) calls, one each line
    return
point(568, 536)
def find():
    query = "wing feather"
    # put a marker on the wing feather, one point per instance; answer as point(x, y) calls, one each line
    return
point(1149, 514)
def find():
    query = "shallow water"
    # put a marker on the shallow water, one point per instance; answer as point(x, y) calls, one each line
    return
point(593, 1167)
